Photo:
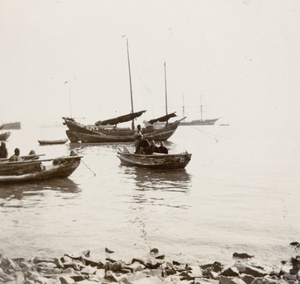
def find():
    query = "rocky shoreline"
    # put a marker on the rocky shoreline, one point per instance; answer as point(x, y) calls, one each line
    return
point(155, 269)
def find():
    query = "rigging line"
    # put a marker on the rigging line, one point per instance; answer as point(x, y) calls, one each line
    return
point(88, 167)
point(205, 132)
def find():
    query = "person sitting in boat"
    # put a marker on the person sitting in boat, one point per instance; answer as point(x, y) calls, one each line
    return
point(138, 137)
point(3, 151)
point(31, 156)
point(163, 149)
point(16, 156)
point(152, 148)
point(145, 147)
point(73, 153)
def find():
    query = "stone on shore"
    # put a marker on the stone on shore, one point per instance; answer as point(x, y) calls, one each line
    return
point(83, 269)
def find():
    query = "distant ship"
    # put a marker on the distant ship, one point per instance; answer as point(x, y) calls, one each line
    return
point(11, 125)
point(200, 121)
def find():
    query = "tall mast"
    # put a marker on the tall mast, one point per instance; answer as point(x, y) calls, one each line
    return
point(132, 124)
point(70, 101)
point(1, 116)
point(183, 106)
point(166, 97)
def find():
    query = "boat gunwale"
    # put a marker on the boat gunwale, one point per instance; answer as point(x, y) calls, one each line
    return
point(7, 162)
point(149, 161)
point(155, 155)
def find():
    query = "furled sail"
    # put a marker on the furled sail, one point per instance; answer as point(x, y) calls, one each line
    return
point(120, 119)
point(163, 118)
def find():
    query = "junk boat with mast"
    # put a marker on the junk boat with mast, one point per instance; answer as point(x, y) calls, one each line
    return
point(108, 131)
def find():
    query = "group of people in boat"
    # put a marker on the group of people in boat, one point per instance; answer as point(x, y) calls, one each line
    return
point(16, 156)
point(143, 146)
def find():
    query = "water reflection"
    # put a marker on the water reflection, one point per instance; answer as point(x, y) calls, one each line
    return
point(158, 188)
point(23, 190)
point(151, 179)
point(157, 195)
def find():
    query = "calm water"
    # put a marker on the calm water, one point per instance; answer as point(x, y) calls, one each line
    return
point(239, 193)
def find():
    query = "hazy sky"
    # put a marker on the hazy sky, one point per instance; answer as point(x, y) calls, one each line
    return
point(241, 57)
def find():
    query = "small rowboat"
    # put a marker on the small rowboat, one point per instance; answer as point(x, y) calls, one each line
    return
point(35, 170)
point(4, 136)
point(154, 161)
point(52, 142)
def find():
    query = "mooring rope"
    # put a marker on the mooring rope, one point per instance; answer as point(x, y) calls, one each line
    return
point(208, 133)
point(88, 167)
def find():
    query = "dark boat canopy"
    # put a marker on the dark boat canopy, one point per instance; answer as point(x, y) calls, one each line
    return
point(120, 119)
point(163, 118)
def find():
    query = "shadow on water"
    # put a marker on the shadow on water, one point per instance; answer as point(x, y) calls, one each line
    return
point(22, 190)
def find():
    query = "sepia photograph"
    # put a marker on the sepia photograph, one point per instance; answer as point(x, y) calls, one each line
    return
point(149, 142)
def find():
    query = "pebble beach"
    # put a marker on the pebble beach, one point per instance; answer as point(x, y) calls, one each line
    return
point(156, 268)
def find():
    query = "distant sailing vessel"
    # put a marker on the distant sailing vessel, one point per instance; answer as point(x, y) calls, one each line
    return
point(4, 136)
point(11, 125)
point(201, 121)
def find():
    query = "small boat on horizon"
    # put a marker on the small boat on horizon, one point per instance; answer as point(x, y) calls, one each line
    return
point(200, 121)
point(52, 142)
point(11, 125)
point(36, 170)
point(155, 160)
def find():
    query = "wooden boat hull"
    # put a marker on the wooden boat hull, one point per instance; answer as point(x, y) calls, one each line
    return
point(4, 136)
point(52, 142)
point(155, 161)
point(14, 172)
point(85, 135)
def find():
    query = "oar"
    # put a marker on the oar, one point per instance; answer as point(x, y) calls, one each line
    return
point(32, 156)
point(208, 133)
point(88, 167)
